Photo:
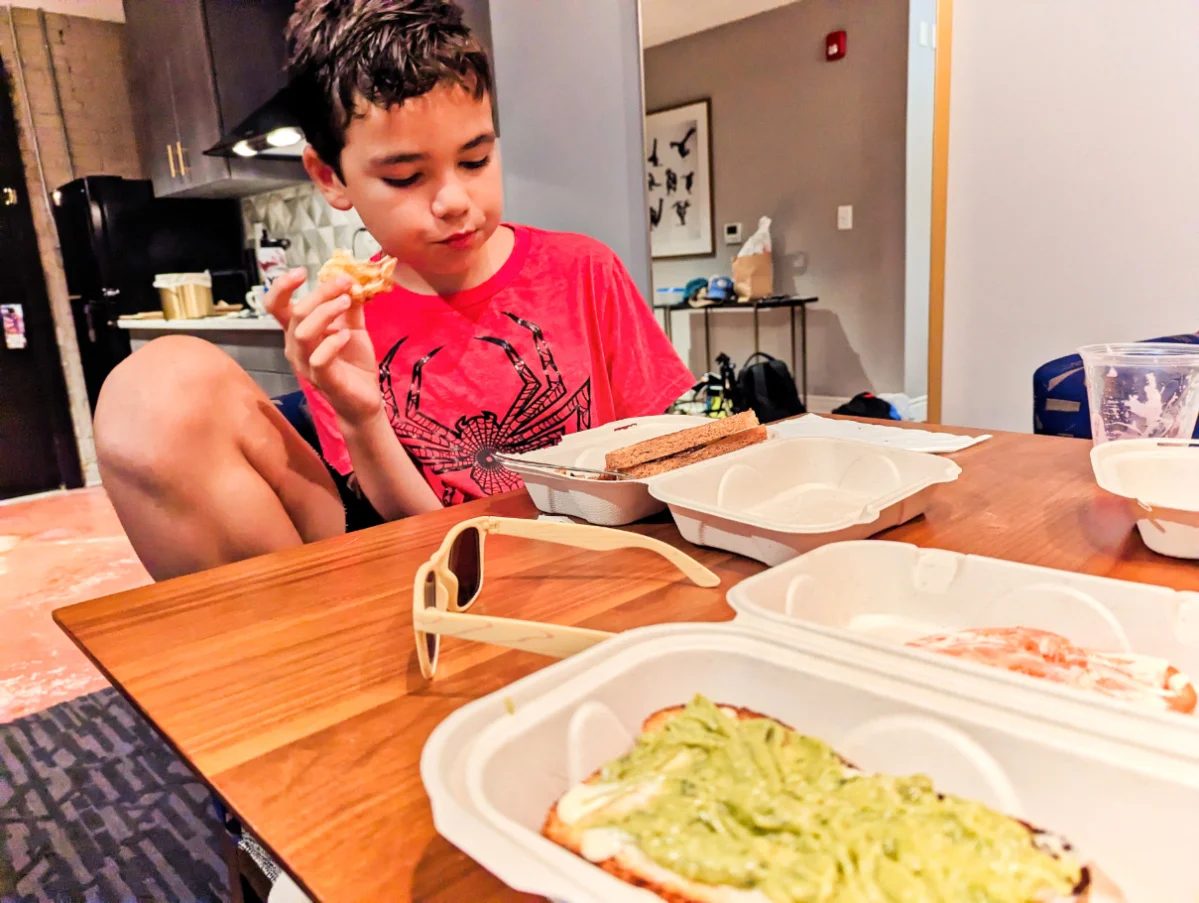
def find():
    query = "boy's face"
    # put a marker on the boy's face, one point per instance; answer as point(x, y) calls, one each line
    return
point(424, 177)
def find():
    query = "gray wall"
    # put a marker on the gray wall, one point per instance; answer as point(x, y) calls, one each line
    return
point(793, 137)
point(477, 15)
point(568, 78)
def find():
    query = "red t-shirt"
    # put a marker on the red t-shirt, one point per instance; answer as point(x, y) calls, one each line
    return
point(559, 340)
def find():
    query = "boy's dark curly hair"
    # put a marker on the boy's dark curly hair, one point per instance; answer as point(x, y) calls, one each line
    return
point(343, 53)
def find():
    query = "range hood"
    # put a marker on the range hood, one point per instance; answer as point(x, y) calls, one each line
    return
point(269, 133)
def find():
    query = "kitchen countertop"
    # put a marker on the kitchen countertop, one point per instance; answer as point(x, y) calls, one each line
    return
point(261, 324)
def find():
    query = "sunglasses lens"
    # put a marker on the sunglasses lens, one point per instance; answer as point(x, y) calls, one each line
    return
point(466, 562)
point(432, 640)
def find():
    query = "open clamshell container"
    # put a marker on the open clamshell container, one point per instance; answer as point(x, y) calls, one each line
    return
point(606, 503)
point(1160, 478)
point(785, 497)
point(881, 595)
point(494, 769)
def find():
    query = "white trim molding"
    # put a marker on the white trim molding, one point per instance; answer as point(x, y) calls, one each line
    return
point(913, 409)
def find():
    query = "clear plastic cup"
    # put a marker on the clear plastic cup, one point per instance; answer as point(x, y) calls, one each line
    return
point(1142, 390)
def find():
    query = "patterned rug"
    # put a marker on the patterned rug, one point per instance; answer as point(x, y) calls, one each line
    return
point(94, 807)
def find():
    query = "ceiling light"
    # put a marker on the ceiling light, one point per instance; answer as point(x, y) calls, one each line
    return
point(284, 137)
point(244, 149)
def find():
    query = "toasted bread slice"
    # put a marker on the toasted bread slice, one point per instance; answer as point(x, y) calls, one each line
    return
point(629, 866)
point(727, 445)
point(369, 277)
point(663, 446)
point(633, 867)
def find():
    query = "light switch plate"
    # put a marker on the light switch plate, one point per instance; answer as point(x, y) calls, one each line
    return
point(732, 233)
point(845, 217)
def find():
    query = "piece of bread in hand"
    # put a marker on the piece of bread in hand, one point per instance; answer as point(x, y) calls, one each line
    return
point(622, 459)
point(368, 277)
point(633, 867)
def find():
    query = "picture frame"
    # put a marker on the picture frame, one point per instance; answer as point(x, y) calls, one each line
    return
point(678, 175)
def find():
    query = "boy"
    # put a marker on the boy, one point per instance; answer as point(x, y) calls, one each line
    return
point(496, 339)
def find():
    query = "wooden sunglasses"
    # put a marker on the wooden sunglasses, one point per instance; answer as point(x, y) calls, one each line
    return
point(450, 581)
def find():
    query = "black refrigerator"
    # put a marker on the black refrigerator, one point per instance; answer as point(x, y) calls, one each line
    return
point(115, 236)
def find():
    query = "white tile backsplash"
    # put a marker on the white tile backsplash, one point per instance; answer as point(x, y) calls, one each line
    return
point(301, 215)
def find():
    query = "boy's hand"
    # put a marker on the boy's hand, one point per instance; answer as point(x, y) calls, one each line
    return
point(327, 344)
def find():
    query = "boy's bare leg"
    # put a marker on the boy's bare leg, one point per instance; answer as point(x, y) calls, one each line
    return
point(201, 467)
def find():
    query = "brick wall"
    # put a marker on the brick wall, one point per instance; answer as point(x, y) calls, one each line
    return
point(92, 136)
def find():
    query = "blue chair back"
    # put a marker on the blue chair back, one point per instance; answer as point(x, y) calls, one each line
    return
point(294, 407)
point(1059, 392)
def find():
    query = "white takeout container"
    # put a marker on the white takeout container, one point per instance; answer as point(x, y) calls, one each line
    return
point(1160, 477)
point(880, 595)
point(494, 768)
point(785, 497)
point(608, 503)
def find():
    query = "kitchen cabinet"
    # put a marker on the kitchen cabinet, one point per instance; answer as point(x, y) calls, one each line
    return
point(196, 69)
point(257, 345)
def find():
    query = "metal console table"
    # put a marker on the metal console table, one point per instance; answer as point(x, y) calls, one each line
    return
point(790, 302)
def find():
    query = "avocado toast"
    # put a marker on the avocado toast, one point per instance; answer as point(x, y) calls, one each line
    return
point(716, 804)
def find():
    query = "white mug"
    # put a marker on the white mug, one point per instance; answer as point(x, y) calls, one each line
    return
point(254, 299)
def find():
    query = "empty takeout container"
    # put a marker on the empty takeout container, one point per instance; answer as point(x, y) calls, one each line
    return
point(881, 595)
point(608, 503)
point(495, 768)
point(1160, 477)
point(782, 498)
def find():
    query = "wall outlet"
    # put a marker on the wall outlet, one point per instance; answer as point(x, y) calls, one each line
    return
point(732, 233)
point(845, 217)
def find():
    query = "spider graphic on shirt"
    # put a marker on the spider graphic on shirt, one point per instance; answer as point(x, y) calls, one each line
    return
point(539, 417)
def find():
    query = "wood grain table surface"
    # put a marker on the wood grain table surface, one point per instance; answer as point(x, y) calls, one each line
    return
point(290, 682)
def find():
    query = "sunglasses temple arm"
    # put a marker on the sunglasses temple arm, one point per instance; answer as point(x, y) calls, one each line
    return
point(553, 640)
point(603, 539)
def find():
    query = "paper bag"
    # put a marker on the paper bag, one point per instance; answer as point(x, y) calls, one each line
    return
point(753, 276)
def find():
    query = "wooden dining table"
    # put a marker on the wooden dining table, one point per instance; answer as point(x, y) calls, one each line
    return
point(290, 683)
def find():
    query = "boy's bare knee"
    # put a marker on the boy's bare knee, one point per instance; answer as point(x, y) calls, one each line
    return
point(166, 396)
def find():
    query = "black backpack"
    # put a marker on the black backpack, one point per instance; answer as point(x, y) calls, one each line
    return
point(764, 385)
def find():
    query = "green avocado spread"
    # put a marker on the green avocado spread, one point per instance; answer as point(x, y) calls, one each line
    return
point(753, 805)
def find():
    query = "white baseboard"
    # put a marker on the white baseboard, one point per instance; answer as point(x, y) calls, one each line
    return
point(916, 409)
point(824, 404)
point(920, 408)
point(49, 493)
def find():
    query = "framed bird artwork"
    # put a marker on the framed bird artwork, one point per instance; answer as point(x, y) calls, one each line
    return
point(678, 176)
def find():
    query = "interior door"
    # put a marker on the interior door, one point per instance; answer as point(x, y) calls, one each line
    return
point(37, 443)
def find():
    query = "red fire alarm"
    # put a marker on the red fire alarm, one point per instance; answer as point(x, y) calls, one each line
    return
point(834, 45)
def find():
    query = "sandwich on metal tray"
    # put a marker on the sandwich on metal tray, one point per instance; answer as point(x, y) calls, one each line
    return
point(720, 804)
point(690, 446)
